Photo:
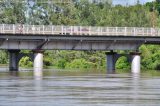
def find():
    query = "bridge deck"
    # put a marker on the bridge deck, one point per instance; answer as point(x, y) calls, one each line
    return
point(77, 30)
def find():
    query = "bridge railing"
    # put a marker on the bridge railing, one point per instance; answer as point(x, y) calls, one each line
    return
point(78, 30)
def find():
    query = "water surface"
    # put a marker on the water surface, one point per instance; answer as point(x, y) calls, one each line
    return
point(58, 88)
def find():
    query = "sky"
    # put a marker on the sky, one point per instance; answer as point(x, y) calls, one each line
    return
point(130, 2)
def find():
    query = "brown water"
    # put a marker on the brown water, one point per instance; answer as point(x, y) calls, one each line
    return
point(78, 89)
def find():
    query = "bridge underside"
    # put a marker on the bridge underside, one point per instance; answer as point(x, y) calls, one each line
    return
point(70, 45)
point(64, 42)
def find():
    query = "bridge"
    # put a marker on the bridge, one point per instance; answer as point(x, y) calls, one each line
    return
point(16, 37)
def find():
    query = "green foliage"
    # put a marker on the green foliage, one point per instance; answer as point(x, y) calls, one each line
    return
point(47, 61)
point(3, 57)
point(48, 58)
point(150, 57)
point(80, 64)
point(12, 12)
point(122, 63)
point(25, 62)
point(61, 63)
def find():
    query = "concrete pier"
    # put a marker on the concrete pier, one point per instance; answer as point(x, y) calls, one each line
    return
point(136, 61)
point(111, 61)
point(38, 63)
point(13, 60)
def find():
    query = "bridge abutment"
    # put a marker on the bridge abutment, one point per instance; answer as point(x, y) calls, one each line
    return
point(38, 62)
point(13, 60)
point(136, 61)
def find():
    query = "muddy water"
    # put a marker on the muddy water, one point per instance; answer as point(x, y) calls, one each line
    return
point(78, 89)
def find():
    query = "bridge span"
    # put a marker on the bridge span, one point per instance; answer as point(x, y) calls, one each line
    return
point(40, 37)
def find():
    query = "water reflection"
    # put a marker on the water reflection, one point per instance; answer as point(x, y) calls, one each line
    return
point(136, 86)
point(38, 89)
point(14, 73)
point(59, 88)
point(38, 73)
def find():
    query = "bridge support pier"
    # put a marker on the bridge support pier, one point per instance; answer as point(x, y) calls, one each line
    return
point(136, 61)
point(13, 60)
point(111, 61)
point(38, 62)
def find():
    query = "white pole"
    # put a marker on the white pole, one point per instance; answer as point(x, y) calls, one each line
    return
point(3, 28)
point(13, 28)
point(107, 31)
point(23, 29)
point(43, 29)
point(116, 31)
point(52, 29)
point(134, 31)
point(71, 30)
point(98, 31)
point(39, 29)
point(27, 28)
point(62, 30)
point(101, 30)
point(89, 30)
point(80, 30)
point(65, 30)
point(125, 33)
point(151, 31)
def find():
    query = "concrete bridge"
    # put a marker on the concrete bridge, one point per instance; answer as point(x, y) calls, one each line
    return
point(39, 38)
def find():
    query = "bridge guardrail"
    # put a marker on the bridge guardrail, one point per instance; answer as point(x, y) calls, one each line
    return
point(78, 30)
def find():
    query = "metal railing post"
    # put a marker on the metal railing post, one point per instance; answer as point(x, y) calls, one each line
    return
point(125, 33)
point(2, 28)
point(71, 30)
point(89, 30)
point(62, 30)
point(151, 31)
point(13, 28)
point(52, 29)
point(80, 30)
point(39, 29)
point(33, 29)
point(65, 30)
point(134, 31)
point(143, 31)
point(106, 31)
point(23, 29)
point(148, 34)
point(116, 31)
point(27, 29)
point(43, 29)
point(98, 30)
point(101, 30)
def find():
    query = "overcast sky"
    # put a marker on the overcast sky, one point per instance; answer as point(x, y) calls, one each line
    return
point(130, 2)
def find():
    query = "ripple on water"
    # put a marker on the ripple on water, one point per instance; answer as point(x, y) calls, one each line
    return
point(79, 90)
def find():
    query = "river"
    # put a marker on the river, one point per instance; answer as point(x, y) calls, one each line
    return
point(61, 88)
